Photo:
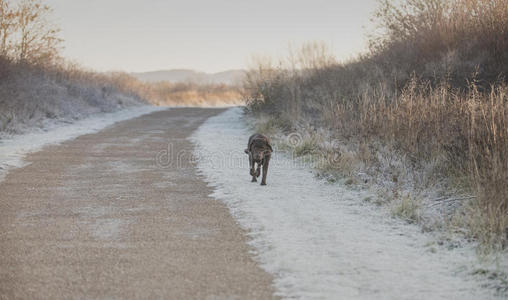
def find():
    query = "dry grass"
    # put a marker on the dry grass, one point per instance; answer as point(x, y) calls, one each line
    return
point(448, 123)
point(179, 94)
point(408, 208)
point(37, 85)
point(190, 94)
point(31, 95)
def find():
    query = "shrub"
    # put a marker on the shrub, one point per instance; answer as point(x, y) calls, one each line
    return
point(432, 88)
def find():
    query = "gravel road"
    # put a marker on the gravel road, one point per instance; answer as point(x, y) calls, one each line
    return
point(122, 213)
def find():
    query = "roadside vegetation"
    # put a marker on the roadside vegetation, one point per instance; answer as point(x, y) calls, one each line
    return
point(423, 115)
point(193, 94)
point(180, 93)
point(38, 86)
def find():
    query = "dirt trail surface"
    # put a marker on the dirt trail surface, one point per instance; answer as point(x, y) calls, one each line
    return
point(109, 215)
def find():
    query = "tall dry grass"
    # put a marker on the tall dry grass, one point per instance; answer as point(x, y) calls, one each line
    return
point(192, 94)
point(466, 131)
point(31, 95)
point(166, 93)
point(432, 88)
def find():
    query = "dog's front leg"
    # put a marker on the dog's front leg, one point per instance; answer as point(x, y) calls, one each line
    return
point(252, 168)
point(265, 169)
point(254, 178)
point(251, 165)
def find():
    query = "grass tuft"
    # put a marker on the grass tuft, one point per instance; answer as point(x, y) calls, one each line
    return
point(407, 208)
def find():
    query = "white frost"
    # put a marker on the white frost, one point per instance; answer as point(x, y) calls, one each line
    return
point(14, 149)
point(317, 239)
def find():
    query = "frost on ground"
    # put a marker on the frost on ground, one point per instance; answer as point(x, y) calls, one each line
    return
point(320, 240)
point(13, 149)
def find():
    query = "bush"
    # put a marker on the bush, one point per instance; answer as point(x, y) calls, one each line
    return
point(32, 94)
point(433, 88)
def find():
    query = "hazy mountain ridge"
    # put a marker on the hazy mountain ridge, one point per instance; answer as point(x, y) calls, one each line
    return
point(187, 75)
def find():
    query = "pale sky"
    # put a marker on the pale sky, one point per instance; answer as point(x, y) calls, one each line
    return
point(210, 36)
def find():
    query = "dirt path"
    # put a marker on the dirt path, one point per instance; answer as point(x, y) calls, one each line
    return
point(98, 217)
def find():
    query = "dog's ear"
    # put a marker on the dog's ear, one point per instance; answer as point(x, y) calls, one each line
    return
point(246, 151)
point(269, 146)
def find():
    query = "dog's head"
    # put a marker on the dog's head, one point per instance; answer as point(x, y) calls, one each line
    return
point(259, 149)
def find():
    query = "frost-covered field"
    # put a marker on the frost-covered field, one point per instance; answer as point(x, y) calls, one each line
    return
point(320, 240)
point(14, 148)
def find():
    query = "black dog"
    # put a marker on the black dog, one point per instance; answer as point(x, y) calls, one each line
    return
point(260, 151)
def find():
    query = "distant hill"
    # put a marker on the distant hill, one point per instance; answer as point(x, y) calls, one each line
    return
point(184, 75)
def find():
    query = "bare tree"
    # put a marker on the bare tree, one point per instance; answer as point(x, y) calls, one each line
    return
point(38, 40)
point(7, 26)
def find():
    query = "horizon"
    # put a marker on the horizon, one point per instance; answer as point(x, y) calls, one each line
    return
point(186, 70)
point(222, 35)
